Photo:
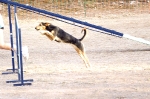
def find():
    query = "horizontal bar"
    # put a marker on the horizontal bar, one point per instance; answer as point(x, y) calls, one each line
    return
point(44, 12)
point(47, 13)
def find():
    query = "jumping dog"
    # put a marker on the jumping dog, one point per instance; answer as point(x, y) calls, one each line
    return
point(54, 33)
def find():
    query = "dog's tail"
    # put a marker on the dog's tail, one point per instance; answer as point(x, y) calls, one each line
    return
point(84, 29)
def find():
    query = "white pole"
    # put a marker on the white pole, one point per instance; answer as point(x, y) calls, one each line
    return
point(136, 39)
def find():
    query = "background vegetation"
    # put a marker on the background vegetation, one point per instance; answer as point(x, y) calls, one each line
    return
point(87, 7)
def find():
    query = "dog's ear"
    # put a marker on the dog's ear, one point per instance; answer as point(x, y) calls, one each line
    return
point(47, 24)
point(41, 23)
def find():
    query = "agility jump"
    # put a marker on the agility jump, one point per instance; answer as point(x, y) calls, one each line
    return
point(71, 21)
point(20, 81)
point(75, 21)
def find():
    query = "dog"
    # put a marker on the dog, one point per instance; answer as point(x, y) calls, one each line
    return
point(54, 33)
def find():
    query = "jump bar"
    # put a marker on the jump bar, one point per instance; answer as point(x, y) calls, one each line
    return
point(44, 12)
point(47, 13)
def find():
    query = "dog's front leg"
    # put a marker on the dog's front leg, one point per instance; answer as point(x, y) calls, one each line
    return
point(50, 36)
point(43, 32)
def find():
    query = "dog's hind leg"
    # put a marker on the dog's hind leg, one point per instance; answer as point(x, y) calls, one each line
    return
point(80, 50)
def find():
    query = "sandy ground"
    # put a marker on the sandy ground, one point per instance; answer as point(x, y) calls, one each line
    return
point(120, 67)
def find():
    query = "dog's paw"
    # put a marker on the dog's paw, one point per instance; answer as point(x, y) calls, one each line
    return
point(43, 32)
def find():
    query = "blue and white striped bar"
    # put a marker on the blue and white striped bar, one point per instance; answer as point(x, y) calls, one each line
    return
point(47, 13)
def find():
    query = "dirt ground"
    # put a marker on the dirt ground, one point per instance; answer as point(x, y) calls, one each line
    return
point(120, 67)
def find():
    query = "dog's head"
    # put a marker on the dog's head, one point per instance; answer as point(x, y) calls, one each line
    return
point(42, 26)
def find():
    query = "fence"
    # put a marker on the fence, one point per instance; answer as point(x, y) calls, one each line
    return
point(88, 8)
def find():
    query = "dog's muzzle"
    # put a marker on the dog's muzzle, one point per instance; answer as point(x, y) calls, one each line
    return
point(37, 28)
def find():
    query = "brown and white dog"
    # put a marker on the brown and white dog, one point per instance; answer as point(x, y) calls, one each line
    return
point(55, 33)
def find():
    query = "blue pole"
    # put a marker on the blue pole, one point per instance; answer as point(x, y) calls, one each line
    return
point(11, 42)
point(17, 43)
point(61, 17)
point(19, 54)
point(47, 13)
point(11, 38)
point(21, 63)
